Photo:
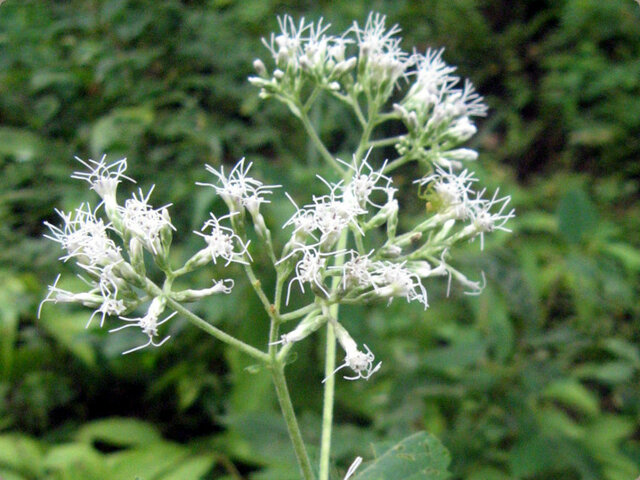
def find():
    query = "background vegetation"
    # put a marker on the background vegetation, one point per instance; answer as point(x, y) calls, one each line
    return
point(538, 378)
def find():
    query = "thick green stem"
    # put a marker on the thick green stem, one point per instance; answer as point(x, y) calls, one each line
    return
point(277, 373)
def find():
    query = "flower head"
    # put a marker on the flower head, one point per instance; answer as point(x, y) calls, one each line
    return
point(221, 241)
point(384, 62)
point(148, 324)
point(85, 237)
point(145, 222)
point(483, 220)
point(239, 190)
point(310, 269)
point(362, 363)
point(103, 178)
point(103, 300)
point(364, 182)
point(450, 192)
point(395, 280)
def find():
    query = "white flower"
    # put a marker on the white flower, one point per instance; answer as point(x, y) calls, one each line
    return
point(458, 103)
point(433, 80)
point(329, 214)
point(85, 238)
point(332, 215)
point(103, 178)
point(100, 298)
point(433, 99)
point(221, 242)
point(483, 220)
point(452, 191)
point(286, 47)
point(394, 280)
point(462, 129)
point(303, 221)
point(364, 183)
point(148, 324)
point(380, 51)
point(239, 190)
point(357, 271)
point(310, 269)
point(139, 218)
point(360, 362)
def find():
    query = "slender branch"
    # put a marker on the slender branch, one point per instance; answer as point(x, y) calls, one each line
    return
point(257, 287)
point(289, 415)
point(217, 333)
point(398, 162)
point(300, 312)
point(383, 142)
point(384, 117)
point(311, 131)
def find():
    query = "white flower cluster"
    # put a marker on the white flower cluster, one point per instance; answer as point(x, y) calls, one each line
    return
point(454, 198)
point(437, 107)
point(330, 251)
point(111, 252)
point(362, 68)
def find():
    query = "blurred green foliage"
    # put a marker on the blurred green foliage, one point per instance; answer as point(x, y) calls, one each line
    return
point(538, 378)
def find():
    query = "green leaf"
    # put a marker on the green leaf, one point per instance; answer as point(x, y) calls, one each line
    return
point(10, 289)
point(20, 453)
point(121, 129)
point(20, 145)
point(9, 475)
point(533, 455)
point(573, 395)
point(577, 216)
point(625, 253)
point(418, 457)
point(120, 432)
point(69, 330)
point(193, 469)
point(75, 460)
point(149, 462)
point(611, 373)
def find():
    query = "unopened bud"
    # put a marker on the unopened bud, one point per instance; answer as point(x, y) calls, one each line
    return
point(259, 67)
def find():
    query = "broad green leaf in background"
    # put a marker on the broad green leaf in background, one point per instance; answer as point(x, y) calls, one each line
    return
point(119, 432)
point(418, 457)
point(577, 216)
point(19, 144)
point(149, 462)
point(75, 460)
point(21, 454)
point(193, 468)
point(69, 329)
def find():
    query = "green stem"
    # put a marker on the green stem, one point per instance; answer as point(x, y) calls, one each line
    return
point(398, 162)
point(300, 312)
point(329, 367)
point(311, 131)
point(383, 142)
point(277, 373)
point(217, 333)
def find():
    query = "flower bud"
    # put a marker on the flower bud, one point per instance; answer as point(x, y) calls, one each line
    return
point(222, 286)
point(462, 130)
point(461, 154)
point(259, 67)
point(136, 252)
